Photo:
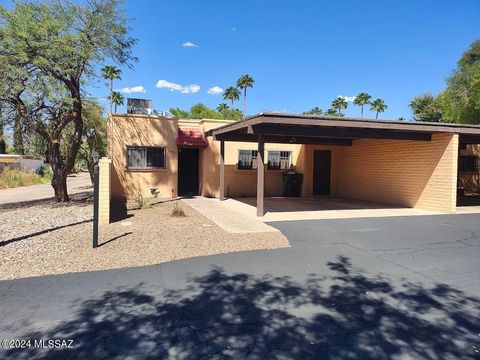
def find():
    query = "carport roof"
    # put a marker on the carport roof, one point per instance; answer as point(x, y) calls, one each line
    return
point(306, 129)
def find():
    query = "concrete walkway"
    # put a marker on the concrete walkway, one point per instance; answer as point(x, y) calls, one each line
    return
point(227, 218)
point(76, 184)
point(293, 209)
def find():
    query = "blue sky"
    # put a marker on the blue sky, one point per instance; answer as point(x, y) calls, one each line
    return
point(301, 53)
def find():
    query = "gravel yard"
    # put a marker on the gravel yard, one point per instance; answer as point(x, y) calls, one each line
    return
point(47, 238)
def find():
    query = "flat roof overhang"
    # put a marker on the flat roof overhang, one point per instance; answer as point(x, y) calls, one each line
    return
point(303, 129)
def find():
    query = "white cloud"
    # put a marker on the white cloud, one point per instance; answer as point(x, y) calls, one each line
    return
point(348, 98)
point(133, 89)
point(188, 89)
point(234, 29)
point(215, 90)
point(189, 44)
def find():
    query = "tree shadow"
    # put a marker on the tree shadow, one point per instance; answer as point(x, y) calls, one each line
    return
point(345, 315)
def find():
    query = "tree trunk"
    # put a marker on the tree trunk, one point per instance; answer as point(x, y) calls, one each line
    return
point(244, 101)
point(111, 92)
point(362, 110)
point(376, 116)
point(59, 179)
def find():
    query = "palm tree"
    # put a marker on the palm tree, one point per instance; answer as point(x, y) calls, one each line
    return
point(244, 82)
point(231, 93)
point(361, 100)
point(379, 106)
point(110, 72)
point(222, 107)
point(339, 103)
point(331, 112)
point(117, 99)
point(314, 111)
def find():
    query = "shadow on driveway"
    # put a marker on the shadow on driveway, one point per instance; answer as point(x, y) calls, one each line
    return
point(347, 315)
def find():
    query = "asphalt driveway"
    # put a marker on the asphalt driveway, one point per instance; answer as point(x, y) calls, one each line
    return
point(374, 288)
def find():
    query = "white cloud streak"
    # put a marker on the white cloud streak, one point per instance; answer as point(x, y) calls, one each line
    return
point(215, 90)
point(188, 89)
point(348, 98)
point(189, 44)
point(133, 89)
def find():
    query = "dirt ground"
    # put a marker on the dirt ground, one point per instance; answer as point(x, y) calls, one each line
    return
point(46, 238)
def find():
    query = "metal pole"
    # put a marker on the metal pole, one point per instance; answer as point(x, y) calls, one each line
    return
point(95, 205)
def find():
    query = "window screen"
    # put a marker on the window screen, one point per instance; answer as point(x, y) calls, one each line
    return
point(140, 157)
point(279, 160)
point(247, 159)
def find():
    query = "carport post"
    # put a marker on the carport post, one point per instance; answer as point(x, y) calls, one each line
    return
point(221, 196)
point(260, 174)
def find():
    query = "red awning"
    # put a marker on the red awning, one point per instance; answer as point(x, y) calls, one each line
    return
point(191, 137)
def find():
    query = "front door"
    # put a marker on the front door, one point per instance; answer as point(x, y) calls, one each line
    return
point(187, 171)
point(322, 160)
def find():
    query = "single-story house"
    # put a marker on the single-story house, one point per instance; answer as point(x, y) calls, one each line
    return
point(409, 164)
point(21, 162)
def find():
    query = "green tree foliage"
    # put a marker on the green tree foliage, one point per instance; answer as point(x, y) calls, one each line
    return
point(110, 72)
point(48, 51)
point(117, 99)
point(426, 107)
point(231, 93)
point(361, 100)
point(333, 112)
point(222, 107)
point(378, 106)
point(201, 111)
point(460, 101)
point(339, 104)
point(244, 82)
point(314, 111)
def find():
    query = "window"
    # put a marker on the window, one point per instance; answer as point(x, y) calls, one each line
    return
point(141, 157)
point(468, 164)
point(247, 159)
point(279, 160)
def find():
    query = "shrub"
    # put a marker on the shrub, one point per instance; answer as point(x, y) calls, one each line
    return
point(11, 177)
point(177, 211)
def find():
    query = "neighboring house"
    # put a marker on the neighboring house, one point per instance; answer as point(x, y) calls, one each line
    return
point(21, 162)
point(408, 164)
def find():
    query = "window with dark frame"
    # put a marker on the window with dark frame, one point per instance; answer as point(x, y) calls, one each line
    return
point(468, 163)
point(279, 160)
point(247, 159)
point(143, 157)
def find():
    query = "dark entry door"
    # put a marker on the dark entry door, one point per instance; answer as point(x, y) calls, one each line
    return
point(322, 160)
point(187, 171)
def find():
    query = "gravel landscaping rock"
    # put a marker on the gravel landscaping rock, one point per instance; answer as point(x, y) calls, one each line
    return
point(50, 238)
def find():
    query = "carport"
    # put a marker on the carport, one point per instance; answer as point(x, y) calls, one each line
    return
point(409, 164)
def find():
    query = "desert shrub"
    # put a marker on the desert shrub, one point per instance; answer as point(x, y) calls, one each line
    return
point(177, 211)
point(11, 177)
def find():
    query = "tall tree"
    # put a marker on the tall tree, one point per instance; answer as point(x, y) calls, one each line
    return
point(314, 111)
point(361, 100)
point(339, 104)
point(110, 72)
point(426, 107)
point(460, 101)
point(378, 105)
point(3, 143)
point(231, 93)
point(117, 99)
point(18, 143)
point(60, 45)
point(244, 82)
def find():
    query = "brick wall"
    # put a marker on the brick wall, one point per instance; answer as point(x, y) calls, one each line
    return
point(421, 174)
point(104, 191)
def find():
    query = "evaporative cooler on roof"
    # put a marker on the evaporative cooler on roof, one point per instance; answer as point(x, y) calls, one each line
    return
point(139, 106)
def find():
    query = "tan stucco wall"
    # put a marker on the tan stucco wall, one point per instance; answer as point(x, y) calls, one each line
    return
point(138, 130)
point(420, 174)
point(238, 183)
point(104, 193)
